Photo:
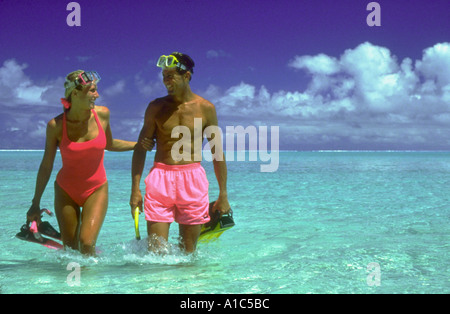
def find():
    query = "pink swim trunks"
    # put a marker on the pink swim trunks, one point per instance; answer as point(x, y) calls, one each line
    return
point(177, 192)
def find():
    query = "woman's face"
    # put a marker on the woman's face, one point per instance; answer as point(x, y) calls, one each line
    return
point(87, 96)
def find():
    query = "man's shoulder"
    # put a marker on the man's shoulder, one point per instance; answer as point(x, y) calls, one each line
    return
point(155, 106)
point(158, 102)
point(205, 103)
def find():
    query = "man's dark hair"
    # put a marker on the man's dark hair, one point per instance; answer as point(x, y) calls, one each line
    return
point(186, 61)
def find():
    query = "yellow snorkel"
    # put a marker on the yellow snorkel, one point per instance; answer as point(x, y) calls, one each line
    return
point(136, 223)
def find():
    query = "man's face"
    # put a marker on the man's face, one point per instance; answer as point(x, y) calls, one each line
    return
point(173, 80)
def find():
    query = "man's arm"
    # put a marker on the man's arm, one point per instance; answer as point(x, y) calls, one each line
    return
point(220, 166)
point(139, 155)
point(220, 170)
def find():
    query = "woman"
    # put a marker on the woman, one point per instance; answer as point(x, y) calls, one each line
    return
point(82, 134)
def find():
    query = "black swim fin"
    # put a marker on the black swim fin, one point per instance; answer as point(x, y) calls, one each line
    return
point(216, 226)
point(47, 229)
point(26, 234)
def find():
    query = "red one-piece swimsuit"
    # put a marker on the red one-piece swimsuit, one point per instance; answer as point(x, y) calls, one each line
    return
point(83, 171)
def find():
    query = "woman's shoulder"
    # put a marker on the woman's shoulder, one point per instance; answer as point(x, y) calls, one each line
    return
point(55, 124)
point(102, 112)
point(56, 121)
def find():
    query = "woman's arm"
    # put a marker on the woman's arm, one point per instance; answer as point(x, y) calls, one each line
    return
point(120, 145)
point(117, 145)
point(45, 170)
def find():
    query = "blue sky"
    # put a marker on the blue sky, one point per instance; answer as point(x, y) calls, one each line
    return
point(315, 69)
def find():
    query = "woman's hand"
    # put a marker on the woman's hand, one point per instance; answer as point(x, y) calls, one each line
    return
point(34, 214)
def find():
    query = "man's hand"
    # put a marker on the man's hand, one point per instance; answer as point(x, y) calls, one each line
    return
point(147, 143)
point(222, 206)
point(135, 201)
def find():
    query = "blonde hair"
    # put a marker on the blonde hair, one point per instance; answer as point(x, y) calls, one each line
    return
point(71, 77)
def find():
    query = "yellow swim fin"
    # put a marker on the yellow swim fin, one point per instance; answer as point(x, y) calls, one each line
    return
point(216, 226)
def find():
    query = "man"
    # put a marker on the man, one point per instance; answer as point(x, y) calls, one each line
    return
point(177, 187)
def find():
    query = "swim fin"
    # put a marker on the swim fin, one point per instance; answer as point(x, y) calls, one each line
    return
point(216, 226)
point(32, 234)
point(47, 229)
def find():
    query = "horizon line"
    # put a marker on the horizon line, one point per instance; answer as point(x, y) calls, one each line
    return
point(282, 150)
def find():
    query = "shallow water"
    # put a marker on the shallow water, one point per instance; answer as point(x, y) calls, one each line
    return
point(313, 226)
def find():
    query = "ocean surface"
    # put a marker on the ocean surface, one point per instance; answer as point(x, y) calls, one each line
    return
point(323, 222)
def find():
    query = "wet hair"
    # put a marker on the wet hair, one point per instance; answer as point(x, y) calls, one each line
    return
point(186, 61)
point(71, 77)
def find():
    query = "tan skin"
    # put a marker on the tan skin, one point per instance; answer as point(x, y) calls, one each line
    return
point(178, 108)
point(79, 229)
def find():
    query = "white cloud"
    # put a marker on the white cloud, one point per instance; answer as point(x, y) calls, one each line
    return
point(39, 130)
point(435, 65)
point(149, 88)
point(17, 88)
point(320, 64)
point(25, 105)
point(239, 95)
point(212, 54)
point(116, 89)
point(83, 59)
point(365, 95)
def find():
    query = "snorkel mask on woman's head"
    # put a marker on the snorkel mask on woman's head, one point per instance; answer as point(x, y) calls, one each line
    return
point(83, 78)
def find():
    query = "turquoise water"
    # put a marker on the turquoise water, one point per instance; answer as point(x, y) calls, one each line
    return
point(313, 226)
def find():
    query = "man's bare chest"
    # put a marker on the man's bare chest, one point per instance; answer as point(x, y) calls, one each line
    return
point(190, 118)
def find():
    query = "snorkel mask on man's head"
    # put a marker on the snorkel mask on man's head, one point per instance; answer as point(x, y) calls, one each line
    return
point(84, 78)
point(176, 59)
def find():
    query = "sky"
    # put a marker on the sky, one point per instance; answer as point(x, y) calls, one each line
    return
point(314, 69)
